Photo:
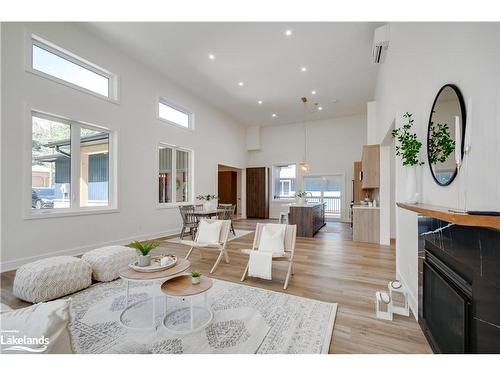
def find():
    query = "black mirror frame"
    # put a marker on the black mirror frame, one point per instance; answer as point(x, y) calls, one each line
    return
point(464, 122)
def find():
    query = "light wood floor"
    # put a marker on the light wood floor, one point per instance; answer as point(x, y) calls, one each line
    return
point(329, 267)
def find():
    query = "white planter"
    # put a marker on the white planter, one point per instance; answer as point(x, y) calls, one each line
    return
point(210, 205)
point(144, 260)
point(411, 194)
point(195, 280)
point(300, 200)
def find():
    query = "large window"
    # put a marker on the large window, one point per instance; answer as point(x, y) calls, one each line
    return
point(175, 114)
point(70, 165)
point(284, 181)
point(174, 175)
point(52, 62)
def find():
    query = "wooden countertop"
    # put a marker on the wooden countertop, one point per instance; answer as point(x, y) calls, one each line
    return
point(444, 214)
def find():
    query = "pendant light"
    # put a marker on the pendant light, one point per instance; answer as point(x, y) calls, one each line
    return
point(303, 165)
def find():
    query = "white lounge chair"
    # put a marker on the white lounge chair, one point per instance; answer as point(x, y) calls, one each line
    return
point(220, 246)
point(290, 237)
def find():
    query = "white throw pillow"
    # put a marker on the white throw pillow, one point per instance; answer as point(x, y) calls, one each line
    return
point(209, 233)
point(272, 238)
point(43, 328)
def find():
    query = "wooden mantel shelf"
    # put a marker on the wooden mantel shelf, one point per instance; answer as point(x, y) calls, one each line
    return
point(444, 214)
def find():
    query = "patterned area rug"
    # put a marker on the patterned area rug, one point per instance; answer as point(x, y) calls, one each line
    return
point(246, 320)
point(239, 233)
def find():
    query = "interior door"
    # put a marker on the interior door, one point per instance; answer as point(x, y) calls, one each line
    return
point(227, 187)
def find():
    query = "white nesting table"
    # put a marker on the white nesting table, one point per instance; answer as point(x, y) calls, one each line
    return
point(130, 275)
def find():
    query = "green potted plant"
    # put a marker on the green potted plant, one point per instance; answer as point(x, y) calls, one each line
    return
point(144, 248)
point(408, 148)
point(209, 201)
point(195, 277)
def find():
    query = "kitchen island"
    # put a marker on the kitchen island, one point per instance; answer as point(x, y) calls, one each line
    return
point(309, 218)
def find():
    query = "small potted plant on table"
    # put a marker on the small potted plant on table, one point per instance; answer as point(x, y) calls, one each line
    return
point(301, 197)
point(195, 277)
point(144, 248)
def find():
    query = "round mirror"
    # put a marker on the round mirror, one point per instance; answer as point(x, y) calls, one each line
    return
point(445, 134)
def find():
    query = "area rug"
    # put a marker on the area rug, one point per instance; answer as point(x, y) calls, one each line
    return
point(239, 233)
point(246, 320)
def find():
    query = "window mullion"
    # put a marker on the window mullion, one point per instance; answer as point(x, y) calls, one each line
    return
point(75, 166)
point(173, 183)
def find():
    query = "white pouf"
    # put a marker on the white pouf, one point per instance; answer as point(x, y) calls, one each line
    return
point(51, 278)
point(107, 261)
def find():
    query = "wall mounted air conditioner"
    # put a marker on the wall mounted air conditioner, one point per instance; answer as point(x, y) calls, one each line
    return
point(380, 44)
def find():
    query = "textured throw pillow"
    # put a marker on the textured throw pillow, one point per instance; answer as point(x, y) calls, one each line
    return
point(41, 328)
point(272, 238)
point(209, 233)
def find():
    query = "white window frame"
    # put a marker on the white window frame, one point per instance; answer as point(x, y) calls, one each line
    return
point(273, 192)
point(113, 81)
point(174, 148)
point(177, 107)
point(74, 209)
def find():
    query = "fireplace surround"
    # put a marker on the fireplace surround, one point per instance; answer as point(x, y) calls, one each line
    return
point(459, 286)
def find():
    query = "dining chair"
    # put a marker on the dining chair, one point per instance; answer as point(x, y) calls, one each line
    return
point(226, 213)
point(290, 237)
point(219, 246)
point(189, 220)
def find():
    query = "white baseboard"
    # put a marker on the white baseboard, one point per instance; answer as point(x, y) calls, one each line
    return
point(15, 264)
point(412, 300)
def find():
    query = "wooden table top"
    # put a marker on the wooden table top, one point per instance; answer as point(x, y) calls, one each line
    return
point(128, 273)
point(181, 286)
point(443, 213)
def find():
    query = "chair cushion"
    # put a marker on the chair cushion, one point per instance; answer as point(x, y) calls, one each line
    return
point(209, 233)
point(107, 261)
point(51, 278)
point(47, 320)
point(272, 238)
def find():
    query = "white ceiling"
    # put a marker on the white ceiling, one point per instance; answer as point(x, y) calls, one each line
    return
point(337, 56)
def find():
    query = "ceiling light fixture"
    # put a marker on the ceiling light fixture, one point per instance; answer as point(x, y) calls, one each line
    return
point(320, 108)
point(211, 56)
point(240, 84)
point(274, 114)
point(304, 69)
point(260, 102)
point(288, 32)
point(313, 92)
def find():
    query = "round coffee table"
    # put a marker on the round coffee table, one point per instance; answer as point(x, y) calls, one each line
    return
point(182, 287)
point(130, 275)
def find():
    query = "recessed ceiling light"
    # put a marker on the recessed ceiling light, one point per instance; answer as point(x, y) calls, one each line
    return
point(274, 114)
point(304, 69)
point(240, 83)
point(211, 56)
point(313, 92)
point(260, 102)
point(288, 32)
point(320, 108)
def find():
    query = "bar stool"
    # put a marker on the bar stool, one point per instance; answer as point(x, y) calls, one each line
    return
point(283, 217)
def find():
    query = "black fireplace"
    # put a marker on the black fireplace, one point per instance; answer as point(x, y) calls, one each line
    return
point(447, 314)
point(459, 287)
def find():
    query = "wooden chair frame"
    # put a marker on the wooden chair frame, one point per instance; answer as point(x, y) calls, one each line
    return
point(221, 246)
point(290, 238)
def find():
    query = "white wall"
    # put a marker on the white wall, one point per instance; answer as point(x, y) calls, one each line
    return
point(138, 135)
point(332, 147)
point(422, 57)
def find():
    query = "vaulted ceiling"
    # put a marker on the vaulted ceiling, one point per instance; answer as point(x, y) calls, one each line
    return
point(254, 62)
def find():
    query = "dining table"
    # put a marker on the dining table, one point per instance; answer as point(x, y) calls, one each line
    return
point(207, 213)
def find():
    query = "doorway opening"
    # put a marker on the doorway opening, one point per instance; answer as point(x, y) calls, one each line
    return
point(229, 186)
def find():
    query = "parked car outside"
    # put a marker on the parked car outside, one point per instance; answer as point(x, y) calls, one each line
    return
point(42, 198)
